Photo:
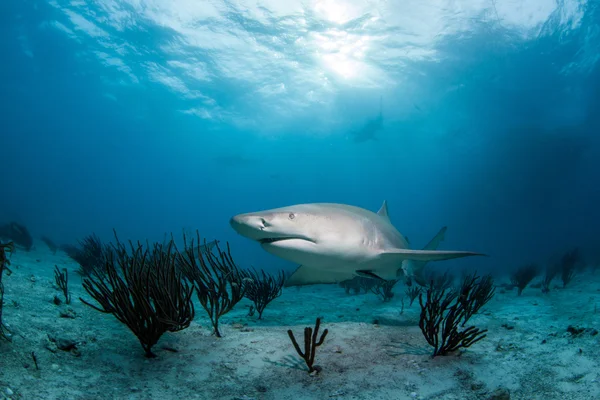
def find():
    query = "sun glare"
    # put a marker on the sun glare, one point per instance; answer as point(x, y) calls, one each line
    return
point(341, 52)
point(341, 65)
point(332, 10)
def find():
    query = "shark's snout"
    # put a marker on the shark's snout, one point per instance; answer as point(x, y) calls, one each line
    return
point(238, 223)
point(248, 225)
point(263, 228)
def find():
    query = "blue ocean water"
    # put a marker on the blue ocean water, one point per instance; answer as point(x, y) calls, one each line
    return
point(152, 116)
point(156, 116)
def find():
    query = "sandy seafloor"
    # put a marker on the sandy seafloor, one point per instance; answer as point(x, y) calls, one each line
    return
point(372, 351)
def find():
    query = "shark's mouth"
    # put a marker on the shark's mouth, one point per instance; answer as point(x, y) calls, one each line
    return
point(280, 239)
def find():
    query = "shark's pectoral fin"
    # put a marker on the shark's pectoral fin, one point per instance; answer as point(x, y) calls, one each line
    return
point(386, 274)
point(364, 273)
point(398, 255)
point(304, 275)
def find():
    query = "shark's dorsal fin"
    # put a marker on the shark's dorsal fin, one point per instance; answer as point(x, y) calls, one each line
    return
point(383, 211)
point(435, 242)
point(418, 267)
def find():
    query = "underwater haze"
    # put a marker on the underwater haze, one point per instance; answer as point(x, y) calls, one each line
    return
point(152, 117)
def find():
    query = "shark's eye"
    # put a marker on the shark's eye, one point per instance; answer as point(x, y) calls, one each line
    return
point(292, 216)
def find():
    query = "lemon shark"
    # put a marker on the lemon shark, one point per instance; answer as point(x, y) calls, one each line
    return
point(334, 242)
point(368, 132)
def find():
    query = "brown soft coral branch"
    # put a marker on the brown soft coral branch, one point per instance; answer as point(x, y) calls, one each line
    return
point(310, 345)
point(4, 262)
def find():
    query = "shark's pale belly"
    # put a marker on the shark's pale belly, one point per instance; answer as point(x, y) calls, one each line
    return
point(333, 260)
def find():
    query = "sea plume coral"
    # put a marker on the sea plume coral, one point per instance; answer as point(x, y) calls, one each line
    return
point(218, 281)
point(444, 314)
point(90, 254)
point(262, 288)
point(144, 289)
